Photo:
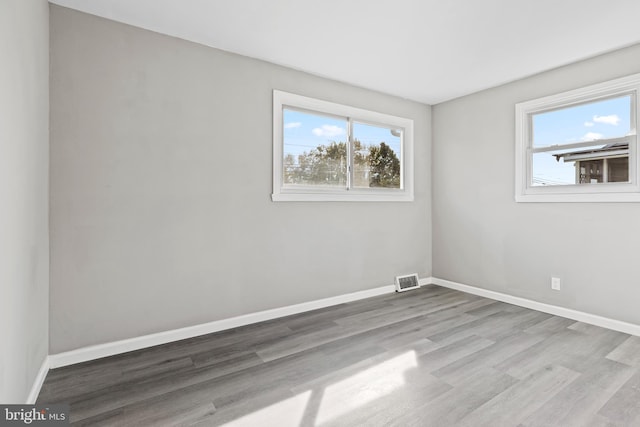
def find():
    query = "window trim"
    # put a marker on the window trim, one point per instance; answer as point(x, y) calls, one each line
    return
point(603, 192)
point(282, 193)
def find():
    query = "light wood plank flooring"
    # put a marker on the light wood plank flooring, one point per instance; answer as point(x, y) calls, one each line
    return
point(429, 357)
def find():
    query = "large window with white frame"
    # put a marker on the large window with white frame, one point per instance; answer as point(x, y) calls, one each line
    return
point(579, 146)
point(323, 151)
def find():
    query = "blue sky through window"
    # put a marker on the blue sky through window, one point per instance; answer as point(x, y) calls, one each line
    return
point(609, 118)
point(596, 120)
point(305, 131)
point(374, 135)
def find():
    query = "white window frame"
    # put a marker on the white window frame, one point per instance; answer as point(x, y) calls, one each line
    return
point(284, 193)
point(602, 192)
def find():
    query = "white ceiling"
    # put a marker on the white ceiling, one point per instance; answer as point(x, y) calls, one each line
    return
point(426, 50)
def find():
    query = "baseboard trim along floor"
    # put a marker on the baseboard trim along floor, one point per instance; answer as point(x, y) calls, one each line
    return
point(37, 384)
point(592, 319)
point(430, 356)
point(117, 347)
point(93, 352)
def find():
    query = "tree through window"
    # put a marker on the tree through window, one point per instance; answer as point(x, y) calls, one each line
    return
point(322, 153)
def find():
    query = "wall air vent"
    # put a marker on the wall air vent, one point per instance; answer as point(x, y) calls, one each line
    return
point(406, 283)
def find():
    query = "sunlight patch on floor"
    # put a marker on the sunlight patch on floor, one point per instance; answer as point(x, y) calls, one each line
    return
point(318, 406)
point(285, 413)
point(364, 387)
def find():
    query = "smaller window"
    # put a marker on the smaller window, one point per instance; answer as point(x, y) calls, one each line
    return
point(579, 146)
point(324, 151)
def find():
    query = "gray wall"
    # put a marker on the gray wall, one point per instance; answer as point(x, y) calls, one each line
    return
point(161, 216)
point(24, 194)
point(483, 238)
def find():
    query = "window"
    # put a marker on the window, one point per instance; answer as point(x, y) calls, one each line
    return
point(579, 146)
point(324, 151)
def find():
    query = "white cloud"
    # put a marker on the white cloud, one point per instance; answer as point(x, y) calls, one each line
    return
point(590, 136)
point(613, 119)
point(328, 131)
point(588, 124)
point(292, 125)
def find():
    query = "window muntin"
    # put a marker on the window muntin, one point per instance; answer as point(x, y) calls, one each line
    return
point(331, 152)
point(579, 146)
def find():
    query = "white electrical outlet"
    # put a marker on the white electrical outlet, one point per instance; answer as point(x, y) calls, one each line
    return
point(555, 283)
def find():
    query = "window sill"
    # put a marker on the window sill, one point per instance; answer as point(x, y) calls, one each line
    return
point(579, 198)
point(350, 196)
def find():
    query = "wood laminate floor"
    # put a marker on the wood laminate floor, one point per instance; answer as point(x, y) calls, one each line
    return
point(429, 357)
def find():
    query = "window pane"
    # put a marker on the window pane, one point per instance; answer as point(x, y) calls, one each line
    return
point(376, 156)
point(594, 164)
point(609, 118)
point(618, 169)
point(314, 149)
point(590, 171)
point(549, 171)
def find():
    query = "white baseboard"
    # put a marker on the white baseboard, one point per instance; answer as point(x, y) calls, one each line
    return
point(37, 383)
point(592, 319)
point(117, 347)
point(426, 281)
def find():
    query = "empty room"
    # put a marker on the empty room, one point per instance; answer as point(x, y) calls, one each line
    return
point(319, 213)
